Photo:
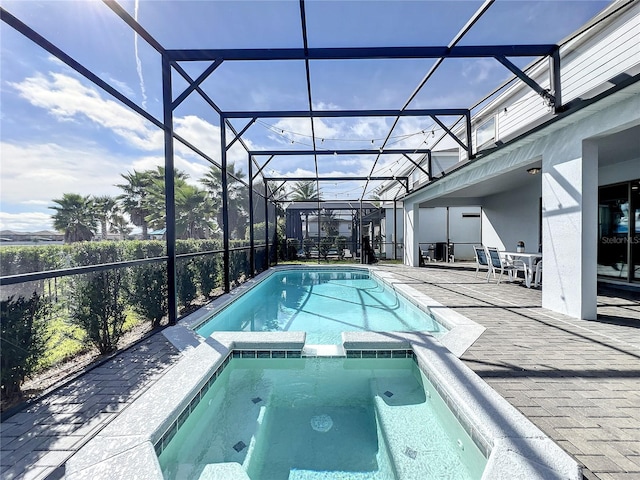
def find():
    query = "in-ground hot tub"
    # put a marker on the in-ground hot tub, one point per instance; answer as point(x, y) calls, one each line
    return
point(329, 418)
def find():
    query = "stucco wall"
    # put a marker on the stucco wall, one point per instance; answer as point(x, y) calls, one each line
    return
point(512, 216)
point(619, 172)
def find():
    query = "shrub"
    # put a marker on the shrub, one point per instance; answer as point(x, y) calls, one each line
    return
point(98, 306)
point(186, 287)
point(307, 245)
point(97, 300)
point(238, 263)
point(341, 244)
point(324, 247)
point(147, 293)
point(207, 268)
point(186, 270)
point(22, 340)
point(293, 245)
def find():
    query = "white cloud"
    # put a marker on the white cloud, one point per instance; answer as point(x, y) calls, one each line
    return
point(66, 98)
point(370, 128)
point(122, 87)
point(325, 106)
point(25, 222)
point(38, 173)
point(478, 70)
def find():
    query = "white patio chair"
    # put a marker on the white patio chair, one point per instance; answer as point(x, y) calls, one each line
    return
point(482, 259)
point(537, 278)
point(519, 266)
point(498, 264)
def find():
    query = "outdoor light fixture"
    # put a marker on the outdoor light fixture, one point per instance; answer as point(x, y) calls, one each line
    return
point(534, 170)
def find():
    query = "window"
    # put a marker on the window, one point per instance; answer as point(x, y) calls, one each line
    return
point(486, 133)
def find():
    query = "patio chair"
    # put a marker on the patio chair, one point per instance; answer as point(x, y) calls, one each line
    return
point(498, 264)
point(481, 259)
point(519, 266)
point(537, 278)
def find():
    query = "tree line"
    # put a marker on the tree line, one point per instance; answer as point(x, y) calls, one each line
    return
point(198, 207)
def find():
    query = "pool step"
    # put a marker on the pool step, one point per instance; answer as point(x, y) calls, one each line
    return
point(335, 475)
point(223, 471)
point(324, 351)
point(413, 434)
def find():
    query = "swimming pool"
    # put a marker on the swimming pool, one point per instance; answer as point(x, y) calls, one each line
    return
point(323, 303)
point(322, 418)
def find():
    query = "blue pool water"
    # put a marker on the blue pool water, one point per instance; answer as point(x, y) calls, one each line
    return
point(322, 419)
point(322, 303)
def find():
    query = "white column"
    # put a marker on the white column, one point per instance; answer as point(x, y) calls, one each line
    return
point(569, 229)
point(411, 234)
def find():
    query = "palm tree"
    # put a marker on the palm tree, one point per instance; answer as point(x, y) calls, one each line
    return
point(75, 216)
point(194, 215)
point(237, 194)
point(120, 226)
point(305, 191)
point(134, 198)
point(106, 208)
point(193, 212)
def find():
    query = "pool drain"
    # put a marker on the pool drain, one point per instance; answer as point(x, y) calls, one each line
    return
point(321, 423)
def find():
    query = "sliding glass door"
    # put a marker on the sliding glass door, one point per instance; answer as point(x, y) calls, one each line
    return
point(619, 231)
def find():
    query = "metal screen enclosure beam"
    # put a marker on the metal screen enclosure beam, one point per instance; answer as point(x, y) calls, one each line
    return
point(345, 113)
point(365, 151)
point(544, 93)
point(225, 204)
point(169, 192)
point(252, 255)
point(556, 87)
point(266, 227)
point(361, 53)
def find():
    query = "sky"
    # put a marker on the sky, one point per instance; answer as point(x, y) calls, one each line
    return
point(59, 133)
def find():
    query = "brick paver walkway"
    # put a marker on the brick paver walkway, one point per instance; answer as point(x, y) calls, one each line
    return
point(579, 381)
point(34, 442)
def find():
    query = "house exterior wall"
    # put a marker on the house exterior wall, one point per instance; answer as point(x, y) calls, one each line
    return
point(511, 216)
point(464, 231)
point(619, 172)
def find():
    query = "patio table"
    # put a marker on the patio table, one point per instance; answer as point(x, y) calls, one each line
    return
point(530, 258)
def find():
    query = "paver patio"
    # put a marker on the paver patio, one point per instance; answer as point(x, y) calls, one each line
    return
point(579, 381)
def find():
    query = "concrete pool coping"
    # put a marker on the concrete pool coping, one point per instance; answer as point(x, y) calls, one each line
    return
point(125, 448)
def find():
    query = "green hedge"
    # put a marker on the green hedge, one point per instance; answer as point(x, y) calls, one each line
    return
point(96, 302)
point(22, 340)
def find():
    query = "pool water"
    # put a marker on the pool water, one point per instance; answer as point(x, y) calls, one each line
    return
point(322, 303)
point(323, 418)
